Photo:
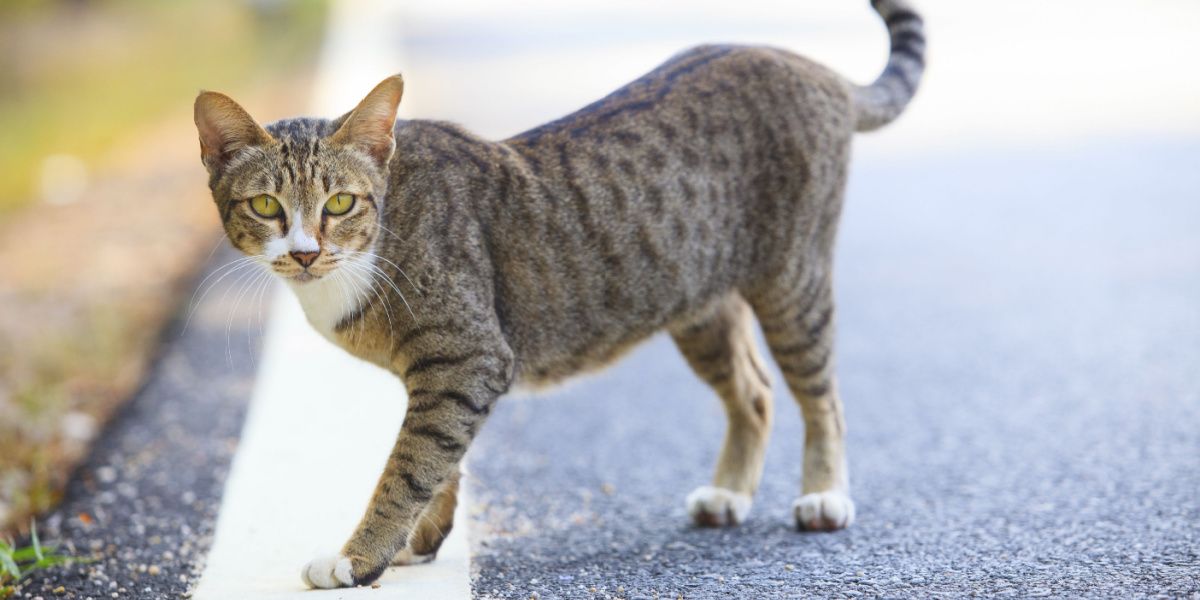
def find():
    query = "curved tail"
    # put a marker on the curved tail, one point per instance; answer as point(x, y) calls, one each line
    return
point(881, 102)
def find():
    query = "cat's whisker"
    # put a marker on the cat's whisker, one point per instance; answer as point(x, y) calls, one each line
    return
point(380, 272)
point(402, 273)
point(246, 282)
point(393, 285)
point(392, 233)
point(342, 282)
point(259, 294)
point(370, 279)
point(232, 266)
point(224, 236)
point(240, 271)
point(356, 291)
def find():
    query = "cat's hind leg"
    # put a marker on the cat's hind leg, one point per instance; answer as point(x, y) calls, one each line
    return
point(432, 526)
point(798, 325)
point(719, 346)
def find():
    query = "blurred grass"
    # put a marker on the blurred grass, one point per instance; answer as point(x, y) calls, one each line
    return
point(78, 74)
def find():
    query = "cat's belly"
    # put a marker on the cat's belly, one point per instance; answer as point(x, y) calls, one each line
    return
point(593, 348)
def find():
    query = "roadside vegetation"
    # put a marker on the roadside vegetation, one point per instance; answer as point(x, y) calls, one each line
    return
point(18, 562)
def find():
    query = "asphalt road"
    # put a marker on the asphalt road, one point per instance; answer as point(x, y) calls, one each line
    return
point(1019, 342)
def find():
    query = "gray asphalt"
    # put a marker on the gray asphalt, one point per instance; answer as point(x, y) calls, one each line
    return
point(143, 507)
point(1019, 350)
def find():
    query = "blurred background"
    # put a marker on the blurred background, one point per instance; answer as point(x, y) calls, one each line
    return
point(104, 211)
point(105, 217)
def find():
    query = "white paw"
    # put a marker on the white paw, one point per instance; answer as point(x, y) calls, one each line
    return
point(823, 511)
point(406, 557)
point(328, 572)
point(717, 507)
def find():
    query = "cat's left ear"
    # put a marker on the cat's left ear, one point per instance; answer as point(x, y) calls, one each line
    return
point(369, 126)
point(224, 127)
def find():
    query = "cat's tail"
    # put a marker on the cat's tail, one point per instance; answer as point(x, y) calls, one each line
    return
point(881, 102)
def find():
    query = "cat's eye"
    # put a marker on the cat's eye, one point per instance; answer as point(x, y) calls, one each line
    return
point(265, 206)
point(339, 204)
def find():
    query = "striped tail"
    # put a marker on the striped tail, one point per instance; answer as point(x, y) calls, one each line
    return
point(881, 102)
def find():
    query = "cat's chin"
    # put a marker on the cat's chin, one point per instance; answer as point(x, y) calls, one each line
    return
point(303, 277)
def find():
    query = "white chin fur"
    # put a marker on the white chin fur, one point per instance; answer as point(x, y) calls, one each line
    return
point(333, 297)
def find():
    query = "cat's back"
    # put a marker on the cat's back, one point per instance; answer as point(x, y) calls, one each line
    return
point(747, 83)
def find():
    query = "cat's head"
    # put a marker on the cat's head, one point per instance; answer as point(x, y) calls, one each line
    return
point(301, 196)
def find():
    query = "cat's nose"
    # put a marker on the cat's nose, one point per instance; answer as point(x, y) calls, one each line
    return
point(306, 259)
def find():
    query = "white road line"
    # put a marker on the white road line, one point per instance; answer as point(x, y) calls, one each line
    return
point(321, 423)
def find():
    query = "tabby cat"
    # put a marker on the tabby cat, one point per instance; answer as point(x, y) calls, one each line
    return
point(693, 200)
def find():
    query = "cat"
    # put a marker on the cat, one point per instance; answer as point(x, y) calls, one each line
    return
point(696, 199)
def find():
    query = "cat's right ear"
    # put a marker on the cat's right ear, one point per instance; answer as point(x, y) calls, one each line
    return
point(369, 126)
point(224, 127)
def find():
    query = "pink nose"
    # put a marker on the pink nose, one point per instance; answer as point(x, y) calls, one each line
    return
point(306, 259)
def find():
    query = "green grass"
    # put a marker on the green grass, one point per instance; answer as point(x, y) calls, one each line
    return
point(17, 563)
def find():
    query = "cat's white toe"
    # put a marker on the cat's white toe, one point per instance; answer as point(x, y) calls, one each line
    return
point(406, 557)
point(712, 506)
point(824, 511)
point(328, 572)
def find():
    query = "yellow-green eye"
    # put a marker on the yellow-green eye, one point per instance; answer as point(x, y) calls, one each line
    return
point(265, 206)
point(339, 204)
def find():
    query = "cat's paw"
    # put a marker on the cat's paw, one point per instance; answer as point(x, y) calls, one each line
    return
point(406, 557)
point(823, 511)
point(711, 506)
point(328, 572)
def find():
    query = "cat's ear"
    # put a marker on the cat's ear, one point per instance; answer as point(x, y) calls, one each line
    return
point(369, 125)
point(224, 128)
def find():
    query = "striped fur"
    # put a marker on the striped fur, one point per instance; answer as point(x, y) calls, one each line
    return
point(697, 199)
point(881, 102)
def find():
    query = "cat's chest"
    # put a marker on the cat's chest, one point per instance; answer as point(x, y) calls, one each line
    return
point(327, 302)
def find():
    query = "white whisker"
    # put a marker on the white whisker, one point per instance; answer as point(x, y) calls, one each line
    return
point(402, 273)
point(370, 279)
point(258, 299)
point(375, 269)
point(229, 268)
point(245, 281)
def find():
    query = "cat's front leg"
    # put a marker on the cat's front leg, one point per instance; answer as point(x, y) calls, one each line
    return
point(450, 395)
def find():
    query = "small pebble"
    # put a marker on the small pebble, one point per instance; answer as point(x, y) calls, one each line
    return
point(106, 474)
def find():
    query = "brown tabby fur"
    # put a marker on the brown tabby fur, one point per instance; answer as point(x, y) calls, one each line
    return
point(695, 198)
